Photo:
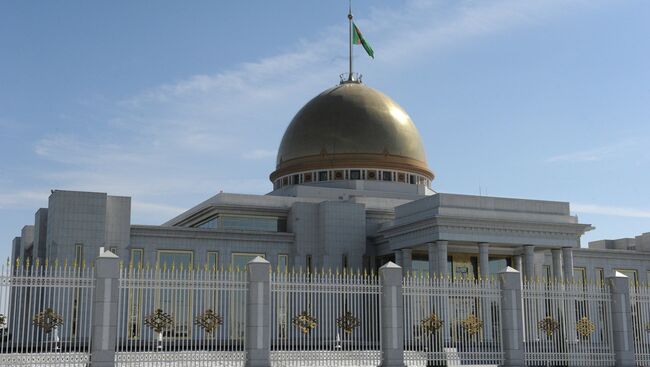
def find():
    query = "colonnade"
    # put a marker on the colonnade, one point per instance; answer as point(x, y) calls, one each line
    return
point(562, 266)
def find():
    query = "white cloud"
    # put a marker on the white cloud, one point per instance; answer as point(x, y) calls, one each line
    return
point(194, 135)
point(598, 153)
point(611, 210)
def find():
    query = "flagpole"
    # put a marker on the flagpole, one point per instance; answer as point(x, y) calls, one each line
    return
point(350, 40)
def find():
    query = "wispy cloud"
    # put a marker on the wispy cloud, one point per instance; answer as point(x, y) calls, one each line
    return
point(597, 154)
point(192, 136)
point(611, 210)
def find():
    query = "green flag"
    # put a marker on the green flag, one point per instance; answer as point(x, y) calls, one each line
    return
point(357, 39)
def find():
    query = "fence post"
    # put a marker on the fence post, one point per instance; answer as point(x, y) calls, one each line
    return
point(392, 316)
point(258, 314)
point(104, 311)
point(619, 287)
point(512, 322)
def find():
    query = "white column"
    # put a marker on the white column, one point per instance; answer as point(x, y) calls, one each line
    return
point(622, 328)
point(556, 253)
point(567, 262)
point(529, 262)
point(512, 324)
point(441, 247)
point(433, 259)
point(407, 259)
point(392, 316)
point(105, 305)
point(258, 315)
point(484, 259)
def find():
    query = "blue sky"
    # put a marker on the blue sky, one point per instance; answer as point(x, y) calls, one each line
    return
point(172, 102)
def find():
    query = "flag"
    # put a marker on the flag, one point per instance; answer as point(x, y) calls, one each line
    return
point(357, 39)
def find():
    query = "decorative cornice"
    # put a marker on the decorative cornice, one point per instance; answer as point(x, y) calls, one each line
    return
point(351, 160)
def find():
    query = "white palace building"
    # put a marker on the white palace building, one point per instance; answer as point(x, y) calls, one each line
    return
point(351, 189)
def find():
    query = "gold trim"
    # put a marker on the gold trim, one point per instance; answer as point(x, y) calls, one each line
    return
point(351, 160)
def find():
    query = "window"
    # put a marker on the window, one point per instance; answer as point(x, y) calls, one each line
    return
point(547, 273)
point(580, 275)
point(412, 179)
point(309, 264)
point(600, 276)
point(78, 262)
point(241, 259)
point(296, 179)
point(177, 302)
point(246, 223)
point(213, 260)
point(355, 174)
point(344, 261)
point(387, 176)
point(135, 297)
point(322, 176)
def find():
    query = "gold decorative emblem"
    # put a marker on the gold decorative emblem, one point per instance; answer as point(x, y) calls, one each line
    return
point(348, 322)
point(431, 324)
point(305, 322)
point(472, 324)
point(208, 320)
point(3, 320)
point(47, 320)
point(585, 327)
point(159, 321)
point(548, 325)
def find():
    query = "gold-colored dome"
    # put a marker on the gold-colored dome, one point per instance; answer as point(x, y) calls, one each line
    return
point(349, 126)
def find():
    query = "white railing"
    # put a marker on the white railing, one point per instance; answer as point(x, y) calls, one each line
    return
point(640, 302)
point(325, 319)
point(567, 324)
point(194, 315)
point(451, 322)
point(45, 314)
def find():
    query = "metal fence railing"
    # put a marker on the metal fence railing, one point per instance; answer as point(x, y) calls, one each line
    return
point(189, 314)
point(640, 302)
point(567, 323)
point(451, 322)
point(45, 314)
point(325, 319)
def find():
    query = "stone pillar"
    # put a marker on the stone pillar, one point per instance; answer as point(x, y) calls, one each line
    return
point(105, 306)
point(512, 322)
point(399, 259)
point(407, 259)
point(441, 247)
point(529, 262)
point(558, 274)
point(484, 259)
point(392, 316)
point(433, 259)
point(619, 287)
point(519, 263)
point(258, 314)
point(567, 262)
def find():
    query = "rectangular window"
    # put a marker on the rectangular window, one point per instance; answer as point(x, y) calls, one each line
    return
point(580, 275)
point(177, 302)
point(355, 174)
point(322, 176)
point(309, 264)
point(344, 261)
point(135, 297)
point(213, 260)
point(600, 276)
point(387, 176)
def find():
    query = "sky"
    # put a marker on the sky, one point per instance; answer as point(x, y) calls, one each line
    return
point(171, 102)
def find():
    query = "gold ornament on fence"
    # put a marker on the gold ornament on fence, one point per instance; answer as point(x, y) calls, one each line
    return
point(348, 322)
point(3, 320)
point(209, 321)
point(548, 325)
point(159, 321)
point(472, 324)
point(47, 320)
point(305, 322)
point(585, 327)
point(646, 327)
point(431, 324)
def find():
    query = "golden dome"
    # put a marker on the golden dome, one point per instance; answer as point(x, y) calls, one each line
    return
point(351, 126)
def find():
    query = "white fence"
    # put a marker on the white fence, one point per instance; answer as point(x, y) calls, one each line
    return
point(325, 319)
point(640, 302)
point(567, 324)
point(193, 315)
point(451, 322)
point(45, 314)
